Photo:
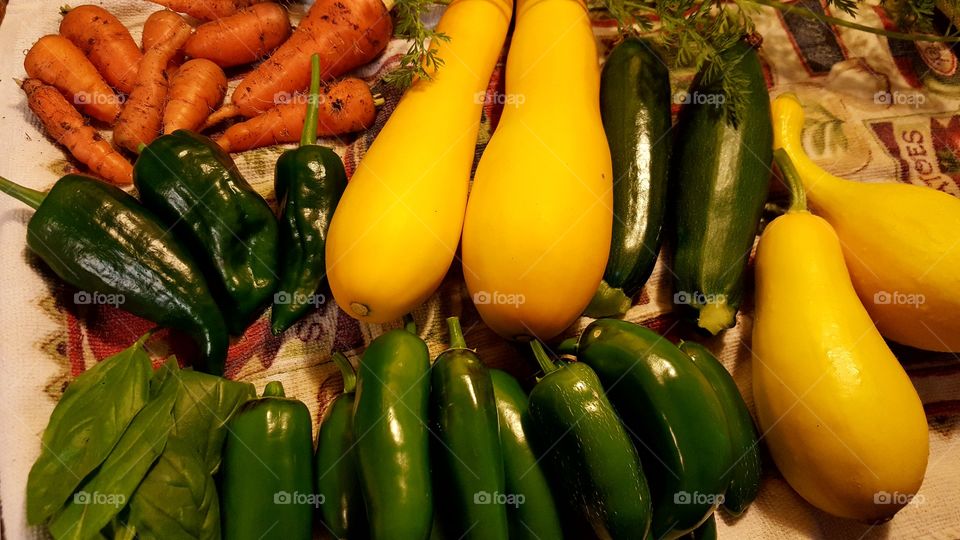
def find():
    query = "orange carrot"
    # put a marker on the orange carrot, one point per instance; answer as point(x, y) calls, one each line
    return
point(196, 89)
point(207, 10)
point(106, 42)
point(140, 120)
point(156, 29)
point(345, 107)
point(241, 38)
point(66, 126)
point(56, 61)
point(345, 33)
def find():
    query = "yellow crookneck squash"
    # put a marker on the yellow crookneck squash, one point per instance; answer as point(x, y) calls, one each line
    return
point(537, 230)
point(397, 226)
point(842, 419)
point(901, 243)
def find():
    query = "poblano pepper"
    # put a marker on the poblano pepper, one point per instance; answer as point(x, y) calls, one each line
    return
point(195, 188)
point(101, 240)
point(308, 182)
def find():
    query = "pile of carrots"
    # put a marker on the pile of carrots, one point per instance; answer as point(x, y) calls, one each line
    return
point(94, 70)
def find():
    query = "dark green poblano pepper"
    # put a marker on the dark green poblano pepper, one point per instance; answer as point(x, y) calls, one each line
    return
point(101, 240)
point(309, 181)
point(196, 189)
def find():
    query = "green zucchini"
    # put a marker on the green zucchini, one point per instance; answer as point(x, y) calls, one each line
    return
point(635, 107)
point(721, 173)
point(744, 474)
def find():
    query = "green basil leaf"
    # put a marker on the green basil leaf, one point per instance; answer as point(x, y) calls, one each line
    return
point(86, 424)
point(107, 491)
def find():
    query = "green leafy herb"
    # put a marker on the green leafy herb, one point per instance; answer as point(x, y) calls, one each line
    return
point(421, 59)
point(86, 424)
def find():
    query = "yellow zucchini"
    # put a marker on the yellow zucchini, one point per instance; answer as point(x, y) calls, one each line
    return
point(396, 229)
point(537, 230)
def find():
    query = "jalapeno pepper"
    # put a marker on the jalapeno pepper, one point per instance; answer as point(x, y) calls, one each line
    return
point(308, 182)
point(583, 443)
point(267, 487)
point(193, 186)
point(533, 515)
point(390, 425)
point(100, 239)
point(468, 474)
point(335, 462)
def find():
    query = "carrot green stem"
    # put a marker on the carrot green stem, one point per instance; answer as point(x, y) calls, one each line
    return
point(546, 364)
point(798, 198)
point(274, 389)
point(346, 371)
point(27, 196)
point(409, 324)
point(456, 334)
point(309, 134)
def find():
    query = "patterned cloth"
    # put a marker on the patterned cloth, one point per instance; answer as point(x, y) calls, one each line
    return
point(877, 110)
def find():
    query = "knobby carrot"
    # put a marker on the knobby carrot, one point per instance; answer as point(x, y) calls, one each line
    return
point(66, 126)
point(207, 10)
point(141, 118)
point(156, 28)
point(344, 107)
point(196, 89)
point(345, 33)
point(56, 61)
point(106, 42)
point(241, 38)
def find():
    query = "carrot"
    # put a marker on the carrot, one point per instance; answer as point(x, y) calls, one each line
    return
point(345, 33)
point(196, 89)
point(155, 30)
point(56, 61)
point(66, 126)
point(207, 10)
point(140, 120)
point(106, 42)
point(241, 38)
point(345, 107)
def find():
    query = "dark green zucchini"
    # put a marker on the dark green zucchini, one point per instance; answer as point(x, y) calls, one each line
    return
point(635, 106)
point(720, 173)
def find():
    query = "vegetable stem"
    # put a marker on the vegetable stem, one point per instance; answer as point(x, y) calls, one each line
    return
point(409, 324)
point(798, 198)
point(30, 197)
point(309, 134)
point(456, 334)
point(568, 346)
point(346, 371)
point(546, 364)
point(274, 389)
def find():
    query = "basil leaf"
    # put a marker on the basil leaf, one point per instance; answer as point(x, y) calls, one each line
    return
point(85, 426)
point(108, 490)
point(177, 499)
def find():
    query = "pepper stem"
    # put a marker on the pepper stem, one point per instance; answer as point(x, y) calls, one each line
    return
point(798, 197)
point(346, 371)
point(27, 196)
point(309, 134)
point(546, 364)
point(456, 334)
point(409, 324)
point(273, 389)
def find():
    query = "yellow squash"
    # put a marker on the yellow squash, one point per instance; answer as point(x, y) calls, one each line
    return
point(901, 243)
point(840, 416)
point(396, 228)
point(538, 224)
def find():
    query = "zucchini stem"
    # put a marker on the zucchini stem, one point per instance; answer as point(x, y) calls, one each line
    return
point(456, 333)
point(309, 134)
point(346, 371)
point(273, 389)
point(27, 196)
point(546, 363)
point(798, 197)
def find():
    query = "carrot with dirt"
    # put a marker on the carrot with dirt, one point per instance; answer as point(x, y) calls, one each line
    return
point(207, 10)
point(65, 125)
point(345, 33)
point(344, 107)
point(196, 89)
point(56, 61)
point(242, 38)
point(141, 118)
point(106, 42)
